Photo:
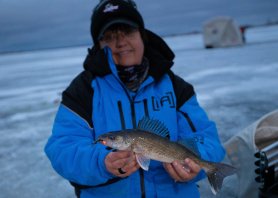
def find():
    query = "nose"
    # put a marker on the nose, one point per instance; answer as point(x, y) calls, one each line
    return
point(120, 39)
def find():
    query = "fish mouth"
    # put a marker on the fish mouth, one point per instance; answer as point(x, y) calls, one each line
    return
point(102, 141)
point(98, 140)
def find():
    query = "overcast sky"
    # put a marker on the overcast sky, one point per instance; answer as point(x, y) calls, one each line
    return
point(38, 24)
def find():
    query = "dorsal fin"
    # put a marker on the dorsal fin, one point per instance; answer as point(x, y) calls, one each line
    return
point(153, 126)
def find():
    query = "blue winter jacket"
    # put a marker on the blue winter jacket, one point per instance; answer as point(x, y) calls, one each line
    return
point(97, 102)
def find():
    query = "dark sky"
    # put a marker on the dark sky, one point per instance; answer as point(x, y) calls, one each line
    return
point(39, 24)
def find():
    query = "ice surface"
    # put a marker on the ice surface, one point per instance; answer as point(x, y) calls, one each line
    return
point(235, 85)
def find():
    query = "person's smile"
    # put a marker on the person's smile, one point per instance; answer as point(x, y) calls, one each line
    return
point(124, 52)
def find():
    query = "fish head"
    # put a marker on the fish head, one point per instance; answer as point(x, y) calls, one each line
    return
point(115, 140)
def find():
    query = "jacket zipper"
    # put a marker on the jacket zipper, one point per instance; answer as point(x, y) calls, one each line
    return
point(120, 107)
point(141, 172)
point(133, 116)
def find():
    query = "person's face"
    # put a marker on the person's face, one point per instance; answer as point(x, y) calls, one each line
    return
point(126, 44)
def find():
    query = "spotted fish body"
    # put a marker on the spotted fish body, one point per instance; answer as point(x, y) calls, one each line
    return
point(149, 141)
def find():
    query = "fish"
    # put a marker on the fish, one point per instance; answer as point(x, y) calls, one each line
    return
point(150, 141)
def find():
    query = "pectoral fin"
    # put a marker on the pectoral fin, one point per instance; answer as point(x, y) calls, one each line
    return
point(143, 161)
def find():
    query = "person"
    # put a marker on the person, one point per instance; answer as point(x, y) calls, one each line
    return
point(127, 75)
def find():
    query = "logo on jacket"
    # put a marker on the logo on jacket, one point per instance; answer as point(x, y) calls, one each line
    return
point(167, 100)
point(110, 8)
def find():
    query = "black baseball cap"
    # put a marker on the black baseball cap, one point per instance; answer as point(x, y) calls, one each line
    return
point(110, 12)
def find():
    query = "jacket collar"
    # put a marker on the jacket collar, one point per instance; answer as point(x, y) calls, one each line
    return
point(157, 52)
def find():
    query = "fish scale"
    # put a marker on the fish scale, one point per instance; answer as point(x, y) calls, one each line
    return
point(161, 149)
point(149, 144)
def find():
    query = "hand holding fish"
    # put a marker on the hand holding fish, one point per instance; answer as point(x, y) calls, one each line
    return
point(121, 163)
point(182, 172)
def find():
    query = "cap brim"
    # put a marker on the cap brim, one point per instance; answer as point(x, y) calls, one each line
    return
point(116, 21)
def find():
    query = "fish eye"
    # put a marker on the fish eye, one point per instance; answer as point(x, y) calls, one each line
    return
point(112, 137)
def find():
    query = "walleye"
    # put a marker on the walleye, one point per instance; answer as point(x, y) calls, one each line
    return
point(149, 141)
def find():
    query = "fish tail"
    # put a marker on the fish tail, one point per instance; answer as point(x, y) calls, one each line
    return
point(217, 173)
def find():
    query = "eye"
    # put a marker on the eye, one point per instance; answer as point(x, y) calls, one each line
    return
point(112, 137)
point(129, 30)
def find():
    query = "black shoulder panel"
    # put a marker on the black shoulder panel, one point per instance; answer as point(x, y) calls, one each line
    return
point(183, 90)
point(78, 96)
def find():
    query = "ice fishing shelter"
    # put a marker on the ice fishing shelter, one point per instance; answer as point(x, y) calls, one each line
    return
point(221, 32)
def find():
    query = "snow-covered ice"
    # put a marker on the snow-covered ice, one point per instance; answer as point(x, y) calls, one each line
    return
point(235, 85)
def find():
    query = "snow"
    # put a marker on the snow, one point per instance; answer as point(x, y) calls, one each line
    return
point(236, 86)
